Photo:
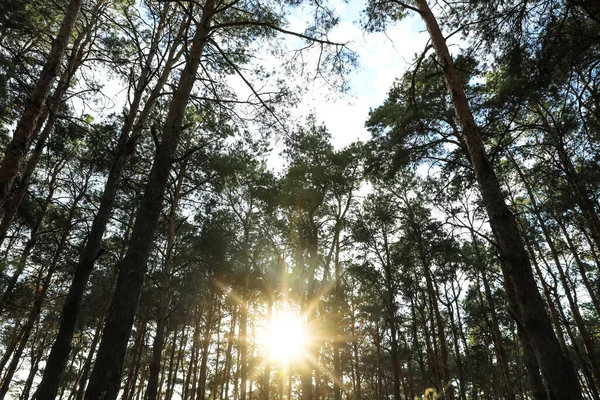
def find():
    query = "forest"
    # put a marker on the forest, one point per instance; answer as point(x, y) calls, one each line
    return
point(173, 227)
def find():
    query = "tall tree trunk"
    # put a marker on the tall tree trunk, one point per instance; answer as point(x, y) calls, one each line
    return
point(228, 353)
point(76, 58)
point(559, 374)
point(571, 335)
point(42, 289)
point(201, 394)
point(585, 335)
point(104, 382)
point(52, 184)
point(136, 356)
point(546, 291)
point(574, 180)
point(191, 374)
point(457, 355)
point(216, 375)
point(21, 140)
point(266, 384)
point(463, 340)
point(92, 250)
point(447, 382)
point(338, 377)
point(581, 267)
point(87, 365)
point(356, 356)
point(243, 336)
point(538, 389)
point(495, 325)
point(173, 372)
point(164, 292)
point(36, 357)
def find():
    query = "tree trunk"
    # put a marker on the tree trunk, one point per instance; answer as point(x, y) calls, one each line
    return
point(164, 292)
point(574, 180)
point(457, 355)
point(356, 357)
point(216, 375)
point(463, 340)
point(136, 356)
point(21, 140)
point(104, 382)
point(35, 363)
point(230, 340)
point(559, 374)
point(201, 394)
point(495, 325)
point(42, 289)
point(32, 238)
point(92, 250)
point(581, 267)
point(96, 338)
point(76, 59)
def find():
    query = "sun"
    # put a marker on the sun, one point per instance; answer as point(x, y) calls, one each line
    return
point(287, 338)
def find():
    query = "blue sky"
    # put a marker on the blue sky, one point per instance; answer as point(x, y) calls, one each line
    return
point(382, 58)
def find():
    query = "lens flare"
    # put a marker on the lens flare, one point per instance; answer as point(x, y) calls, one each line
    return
point(286, 338)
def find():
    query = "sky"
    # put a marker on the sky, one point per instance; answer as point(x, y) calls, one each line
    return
point(381, 59)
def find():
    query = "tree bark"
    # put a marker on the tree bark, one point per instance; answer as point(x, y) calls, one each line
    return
point(581, 267)
point(36, 357)
point(75, 60)
point(164, 292)
point(21, 140)
point(201, 394)
point(104, 382)
point(32, 237)
point(95, 339)
point(559, 374)
point(42, 289)
point(92, 250)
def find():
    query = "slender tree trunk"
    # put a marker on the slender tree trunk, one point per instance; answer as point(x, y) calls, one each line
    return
point(216, 375)
point(463, 340)
point(355, 352)
point(585, 335)
point(457, 355)
point(267, 366)
point(104, 382)
point(32, 238)
point(338, 334)
point(136, 356)
point(192, 367)
point(581, 267)
point(538, 389)
point(243, 340)
point(35, 363)
point(571, 335)
point(575, 181)
point(559, 374)
point(92, 250)
point(164, 292)
point(447, 382)
point(201, 394)
point(546, 291)
point(75, 60)
point(173, 379)
point(87, 365)
point(433, 374)
point(495, 325)
point(19, 144)
point(228, 353)
point(42, 289)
